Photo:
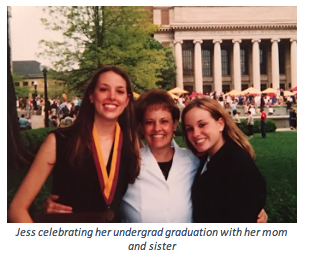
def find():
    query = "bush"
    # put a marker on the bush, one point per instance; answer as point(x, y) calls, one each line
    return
point(179, 129)
point(33, 139)
point(271, 126)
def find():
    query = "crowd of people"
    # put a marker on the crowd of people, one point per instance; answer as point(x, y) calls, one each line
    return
point(253, 104)
point(61, 112)
point(99, 163)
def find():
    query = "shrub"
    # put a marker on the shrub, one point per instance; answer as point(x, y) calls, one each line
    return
point(179, 129)
point(271, 126)
point(33, 139)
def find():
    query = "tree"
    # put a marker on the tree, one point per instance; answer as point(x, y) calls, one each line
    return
point(101, 35)
point(17, 155)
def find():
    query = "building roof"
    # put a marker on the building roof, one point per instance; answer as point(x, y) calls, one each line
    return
point(27, 68)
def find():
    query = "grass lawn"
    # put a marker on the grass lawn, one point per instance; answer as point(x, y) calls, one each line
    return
point(276, 158)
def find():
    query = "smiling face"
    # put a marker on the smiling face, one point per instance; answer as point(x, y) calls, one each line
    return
point(158, 128)
point(110, 96)
point(203, 131)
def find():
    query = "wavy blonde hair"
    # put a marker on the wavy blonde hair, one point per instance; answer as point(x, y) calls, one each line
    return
point(230, 131)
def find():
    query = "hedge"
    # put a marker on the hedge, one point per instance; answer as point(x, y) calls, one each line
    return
point(271, 126)
point(33, 139)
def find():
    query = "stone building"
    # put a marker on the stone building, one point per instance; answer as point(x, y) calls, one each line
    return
point(220, 48)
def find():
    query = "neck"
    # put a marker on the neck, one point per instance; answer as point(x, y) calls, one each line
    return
point(164, 154)
point(105, 127)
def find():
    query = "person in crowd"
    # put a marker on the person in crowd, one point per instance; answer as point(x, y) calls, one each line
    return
point(263, 117)
point(53, 108)
point(271, 110)
point(236, 118)
point(280, 100)
point(262, 101)
point(250, 123)
point(251, 108)
point(94, 159)
point(221, 100)
point(230, 192)
point(181, 100)
point(53, 122)
point(23, 122)
point(234, 107)
point(293, 119)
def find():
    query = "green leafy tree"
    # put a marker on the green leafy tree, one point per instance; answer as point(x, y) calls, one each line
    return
point(100, 35)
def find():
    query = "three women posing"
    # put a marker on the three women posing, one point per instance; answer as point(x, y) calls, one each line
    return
point(162, 190)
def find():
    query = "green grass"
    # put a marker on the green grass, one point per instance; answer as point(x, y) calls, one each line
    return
point(276, 158)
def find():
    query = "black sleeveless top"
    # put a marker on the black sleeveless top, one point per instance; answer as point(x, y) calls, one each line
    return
point(80, 187)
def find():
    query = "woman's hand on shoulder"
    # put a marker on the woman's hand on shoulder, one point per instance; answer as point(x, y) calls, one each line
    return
point(50, 206)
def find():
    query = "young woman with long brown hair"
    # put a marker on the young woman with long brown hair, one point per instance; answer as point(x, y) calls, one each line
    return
point(93, 160)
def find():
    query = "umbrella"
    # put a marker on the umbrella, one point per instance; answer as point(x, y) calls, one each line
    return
point(135, 95)
point(251, 90)
point(293, 89)
point(269, 91)
point(288, 93)
point(177, 90)
point(194, 94)
point(233, 92)
point(174, 96)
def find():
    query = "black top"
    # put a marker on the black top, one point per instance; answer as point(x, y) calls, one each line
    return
point(165, 167)
point(80, 187)
point(231, 190)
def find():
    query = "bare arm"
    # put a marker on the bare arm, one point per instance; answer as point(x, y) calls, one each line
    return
point(33, 182)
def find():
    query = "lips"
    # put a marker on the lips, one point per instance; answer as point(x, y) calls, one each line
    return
point(199, 141)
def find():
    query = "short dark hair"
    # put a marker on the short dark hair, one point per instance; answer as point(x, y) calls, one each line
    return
point(159, 99)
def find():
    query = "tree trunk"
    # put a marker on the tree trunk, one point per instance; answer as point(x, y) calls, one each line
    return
point(17, 155)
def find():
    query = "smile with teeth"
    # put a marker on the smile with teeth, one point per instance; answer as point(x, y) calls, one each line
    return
point(158, 136)
point(200, 141)
point(111, 106)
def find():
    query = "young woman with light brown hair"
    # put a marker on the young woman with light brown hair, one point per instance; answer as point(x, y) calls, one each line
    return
point(228, 186)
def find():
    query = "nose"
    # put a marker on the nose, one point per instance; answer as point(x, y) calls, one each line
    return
point(196, 132)
point(157, 126)
point(111, 94)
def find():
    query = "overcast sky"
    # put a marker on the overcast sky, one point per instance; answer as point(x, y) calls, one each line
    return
point(27, 31)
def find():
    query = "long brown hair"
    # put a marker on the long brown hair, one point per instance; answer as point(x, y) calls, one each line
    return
point(82, 138)
point(230, 131)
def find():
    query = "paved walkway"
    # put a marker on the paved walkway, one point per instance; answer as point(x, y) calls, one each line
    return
point(37, 121)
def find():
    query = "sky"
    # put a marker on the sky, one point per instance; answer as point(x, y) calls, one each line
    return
point(26, 32)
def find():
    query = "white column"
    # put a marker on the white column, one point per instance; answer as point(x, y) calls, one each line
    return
point(217, 76)
point(256, 63)
point(179, 64)
point(275, 64)
point(237, 65)
point(293, 62)
point(157, 16)
point(198, 66)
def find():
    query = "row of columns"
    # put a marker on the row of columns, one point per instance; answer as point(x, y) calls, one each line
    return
point(236, 61)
